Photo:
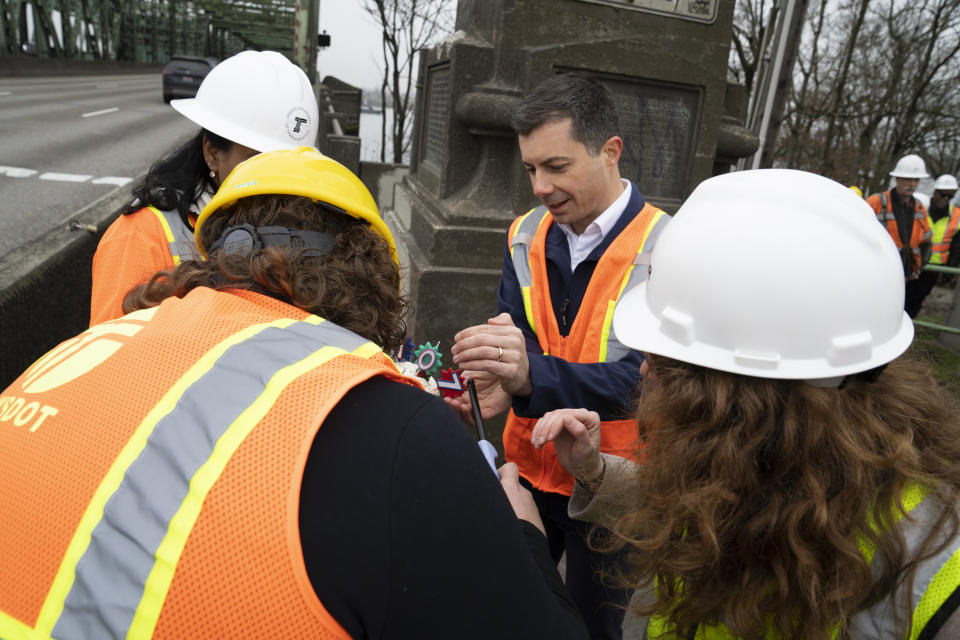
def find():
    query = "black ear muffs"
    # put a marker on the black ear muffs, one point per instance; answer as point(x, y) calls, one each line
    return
point(245, 238)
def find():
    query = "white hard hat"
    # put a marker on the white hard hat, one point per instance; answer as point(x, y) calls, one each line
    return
point(258, 99)
point(946, 182)
point(772, 273)
point(923, 198)
point(910, 166)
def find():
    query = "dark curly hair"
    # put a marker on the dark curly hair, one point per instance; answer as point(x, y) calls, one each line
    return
point(356, 285)
point(755, 493)
point(178, 178)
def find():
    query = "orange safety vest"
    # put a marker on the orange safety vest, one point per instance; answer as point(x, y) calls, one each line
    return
point(150, 472)
point(943, 231)
point(919, 234)
point(591, 338)
point(132, 249)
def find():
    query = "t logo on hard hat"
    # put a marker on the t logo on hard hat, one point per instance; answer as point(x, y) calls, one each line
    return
point(296, 119)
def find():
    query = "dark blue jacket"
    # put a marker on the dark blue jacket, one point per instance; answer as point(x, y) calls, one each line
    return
point(605, 387)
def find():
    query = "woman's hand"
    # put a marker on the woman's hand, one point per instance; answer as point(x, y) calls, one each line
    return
point(575, 434)
point(520, 499)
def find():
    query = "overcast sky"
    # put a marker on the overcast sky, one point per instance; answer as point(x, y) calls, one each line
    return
point(354, 52)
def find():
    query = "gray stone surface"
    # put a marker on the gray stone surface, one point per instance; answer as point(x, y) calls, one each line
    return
point(680, 125)
point(45, 286)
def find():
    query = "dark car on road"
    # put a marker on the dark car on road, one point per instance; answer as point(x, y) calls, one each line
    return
point(183, 74)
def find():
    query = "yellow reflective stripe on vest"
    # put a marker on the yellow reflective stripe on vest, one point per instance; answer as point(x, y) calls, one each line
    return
point(913, 495)
point(611, 349)
point(944, 583)
point(120, 563)
point(179, 243)
point(519, 243)
point(942, 232)
point(13, 629)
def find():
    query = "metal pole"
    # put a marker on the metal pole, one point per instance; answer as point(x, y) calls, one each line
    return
point(786, 20)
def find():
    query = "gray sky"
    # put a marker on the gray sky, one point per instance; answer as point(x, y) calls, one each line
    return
point(354, 52)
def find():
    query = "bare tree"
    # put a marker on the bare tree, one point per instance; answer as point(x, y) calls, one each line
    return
point(752, 24)
point(874, 81)
point(407, 26)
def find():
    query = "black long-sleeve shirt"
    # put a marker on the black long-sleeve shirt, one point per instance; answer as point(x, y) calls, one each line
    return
point(406, 532)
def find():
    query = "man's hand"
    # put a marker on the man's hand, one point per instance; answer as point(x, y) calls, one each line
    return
point(520, 499)
point(575, 434)
point(497, 348)
point(493, 399)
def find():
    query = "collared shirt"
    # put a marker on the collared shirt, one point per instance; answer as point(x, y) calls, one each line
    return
point(582, 244)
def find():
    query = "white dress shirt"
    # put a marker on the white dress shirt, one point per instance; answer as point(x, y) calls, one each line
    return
point(581, 245)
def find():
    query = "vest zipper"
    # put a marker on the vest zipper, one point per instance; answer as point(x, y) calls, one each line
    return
point(563, 312)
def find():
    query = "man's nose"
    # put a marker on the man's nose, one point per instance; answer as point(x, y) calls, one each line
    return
point(541, 186)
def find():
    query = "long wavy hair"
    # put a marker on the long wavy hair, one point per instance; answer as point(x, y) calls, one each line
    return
point(755, 492)
point(356, 285)
point(177, 179)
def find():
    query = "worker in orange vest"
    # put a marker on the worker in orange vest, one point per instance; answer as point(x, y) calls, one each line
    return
point(237, 457)
point(905, 219)
point(254, 101)
point(565, 265)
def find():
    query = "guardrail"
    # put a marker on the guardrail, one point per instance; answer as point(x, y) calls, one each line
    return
point(937, 268)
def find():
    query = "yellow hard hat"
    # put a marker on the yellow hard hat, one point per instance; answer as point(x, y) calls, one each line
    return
point(303, 171)
point(856, 190)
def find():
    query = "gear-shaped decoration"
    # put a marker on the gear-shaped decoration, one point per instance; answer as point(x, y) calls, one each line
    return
point(451, 383)
point(427, 357)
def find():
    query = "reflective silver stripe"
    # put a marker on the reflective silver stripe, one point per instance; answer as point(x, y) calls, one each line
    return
point(111, 574)
point(616, 350)
point(878, 622)
point(183, 246)
point(520, 245)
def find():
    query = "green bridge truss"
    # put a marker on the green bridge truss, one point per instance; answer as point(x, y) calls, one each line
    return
point(147, 30)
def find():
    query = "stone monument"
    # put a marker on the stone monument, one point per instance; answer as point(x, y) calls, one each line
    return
point(664, 60)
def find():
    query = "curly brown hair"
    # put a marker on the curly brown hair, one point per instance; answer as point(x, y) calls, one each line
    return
point(356, 285)
point(754, 492)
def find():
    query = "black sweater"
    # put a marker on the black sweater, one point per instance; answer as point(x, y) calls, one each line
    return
point(407, 533)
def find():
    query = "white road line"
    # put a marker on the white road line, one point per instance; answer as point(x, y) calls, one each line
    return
point(108, 86)
point(117, 180)
point(64, 177)
point(100, 113)
point(6, 93)
point(17, 172)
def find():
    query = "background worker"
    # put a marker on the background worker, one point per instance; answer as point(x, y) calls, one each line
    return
point(564, 266)
point(780, 455)
point(946, 222)
point(251, 102)
point(224, 463)
point(906, 221)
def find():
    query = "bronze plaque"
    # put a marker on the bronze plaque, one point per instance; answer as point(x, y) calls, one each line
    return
point(438, 111)
point(658, 124)
point(698, 10)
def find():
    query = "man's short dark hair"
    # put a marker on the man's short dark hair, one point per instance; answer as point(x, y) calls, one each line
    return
point(577, 96)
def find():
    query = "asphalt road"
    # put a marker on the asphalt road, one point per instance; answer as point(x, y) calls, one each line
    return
point(67, 141)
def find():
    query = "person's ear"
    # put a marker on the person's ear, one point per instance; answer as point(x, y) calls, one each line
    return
point(211, 155)
point(611, 150)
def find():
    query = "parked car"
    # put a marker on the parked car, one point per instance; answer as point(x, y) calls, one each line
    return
point(183, 74)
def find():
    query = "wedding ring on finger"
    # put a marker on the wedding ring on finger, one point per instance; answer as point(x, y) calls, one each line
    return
point(499, 354)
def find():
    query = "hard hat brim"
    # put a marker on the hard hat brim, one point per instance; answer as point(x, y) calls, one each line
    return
point(195, 111)
point(919, 176)
point(637, 326)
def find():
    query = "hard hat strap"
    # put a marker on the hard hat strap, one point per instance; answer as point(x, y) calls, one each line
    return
point(870, 375)
point(245, 238)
